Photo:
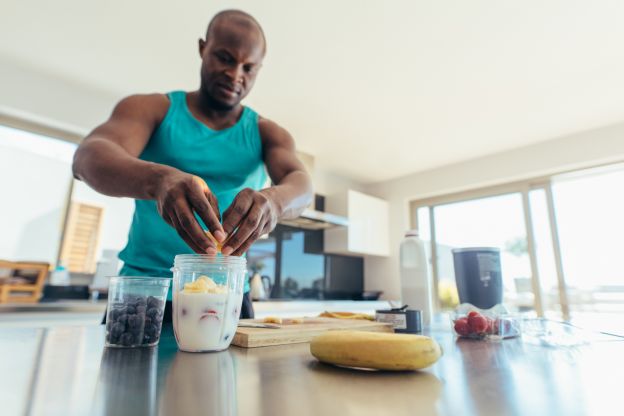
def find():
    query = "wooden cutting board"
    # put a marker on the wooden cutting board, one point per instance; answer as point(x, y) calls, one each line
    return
point(298, 333)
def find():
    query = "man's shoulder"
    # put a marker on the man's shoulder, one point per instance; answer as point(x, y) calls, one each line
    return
point(271, 132)
point(149, 107)
point(153, 102)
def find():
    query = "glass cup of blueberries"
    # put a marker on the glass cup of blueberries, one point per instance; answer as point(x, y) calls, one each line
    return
point(135, 310)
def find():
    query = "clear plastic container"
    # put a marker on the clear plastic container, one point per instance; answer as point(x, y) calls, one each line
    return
point(494, 324)
point(135, 310)
point(207, 298)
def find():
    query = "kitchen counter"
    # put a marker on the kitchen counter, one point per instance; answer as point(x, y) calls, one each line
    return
point(67, 371)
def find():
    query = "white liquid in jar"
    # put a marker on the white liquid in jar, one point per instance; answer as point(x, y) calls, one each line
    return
point(205, 321)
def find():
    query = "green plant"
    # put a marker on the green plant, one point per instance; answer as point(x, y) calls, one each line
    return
point(517, 246)
point(256, 266)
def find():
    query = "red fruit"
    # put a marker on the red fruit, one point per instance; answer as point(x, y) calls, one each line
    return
point(473, 313)
point(462, 327)
point(478, 324)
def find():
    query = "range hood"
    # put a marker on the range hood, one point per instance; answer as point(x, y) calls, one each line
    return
point(312, 219)
point(315, 217)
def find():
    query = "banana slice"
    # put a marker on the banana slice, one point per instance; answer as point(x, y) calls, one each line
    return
point(347, 315)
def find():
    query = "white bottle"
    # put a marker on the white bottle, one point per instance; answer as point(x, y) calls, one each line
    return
point(415, 281)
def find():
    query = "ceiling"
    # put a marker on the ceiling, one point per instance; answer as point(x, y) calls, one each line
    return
point(373, 89)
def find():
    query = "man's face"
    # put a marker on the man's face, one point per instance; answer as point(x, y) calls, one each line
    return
point(231, 58)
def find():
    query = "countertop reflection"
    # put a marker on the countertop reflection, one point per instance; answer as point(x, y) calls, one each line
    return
point(67, 371)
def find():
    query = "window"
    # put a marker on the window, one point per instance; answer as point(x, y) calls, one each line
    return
point(589, 208)
point(38, 191)
point(292, 261)
point(486, 222)
point(293, 270)
point(81, 240)
point(35, 179)
point(116, 217)
point(559, 239)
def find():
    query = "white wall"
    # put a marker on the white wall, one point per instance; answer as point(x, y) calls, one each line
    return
point(25, 89)
point(576, 151)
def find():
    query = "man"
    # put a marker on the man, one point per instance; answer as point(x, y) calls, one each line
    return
point(198, 157)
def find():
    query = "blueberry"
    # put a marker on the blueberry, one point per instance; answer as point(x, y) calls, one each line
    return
point(114, 314)
point(151, 329)
point(136, 332)
point(141, 301)
point(148, 321)
point(131, 310)
point(153, 312)
point(134, 321)
point(122, 318)
point(117, 329)
point(113, 339)
point(153, 302)
point(126, 339)
point(140, 309)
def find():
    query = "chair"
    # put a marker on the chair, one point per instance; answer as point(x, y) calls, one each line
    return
point(24, 284)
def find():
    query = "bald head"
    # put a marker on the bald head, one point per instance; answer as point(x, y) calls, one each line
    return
point(232, 55)
point(235, 18)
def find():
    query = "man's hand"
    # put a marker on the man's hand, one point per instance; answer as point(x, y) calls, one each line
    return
point(251, 215)
point(179, 195)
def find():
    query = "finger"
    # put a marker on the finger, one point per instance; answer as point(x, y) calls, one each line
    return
point(200, 204)
point(189, 241)
point(253, 237)
point(191, 227)
point(167, 218)
point(249, 225)
point(212, 199)
point(239, 208)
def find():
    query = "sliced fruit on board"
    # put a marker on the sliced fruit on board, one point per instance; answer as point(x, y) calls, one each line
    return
point(347, 315)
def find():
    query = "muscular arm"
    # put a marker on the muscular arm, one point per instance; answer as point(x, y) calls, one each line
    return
point(107, 160)
point(252, 213)
point(292, 191)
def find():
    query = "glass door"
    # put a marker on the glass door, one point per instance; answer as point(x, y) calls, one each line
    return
point(498, 222)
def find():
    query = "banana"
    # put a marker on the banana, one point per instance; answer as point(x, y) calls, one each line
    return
point(376, 350)
point(347, 315)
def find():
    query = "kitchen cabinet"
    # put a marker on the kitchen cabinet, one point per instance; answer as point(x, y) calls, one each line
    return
point(367, 232)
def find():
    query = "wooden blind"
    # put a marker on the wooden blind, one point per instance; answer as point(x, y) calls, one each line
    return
point(82, 236)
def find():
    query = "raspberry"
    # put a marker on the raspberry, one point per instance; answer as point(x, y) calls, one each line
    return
point(461, 327)
point(478, 324)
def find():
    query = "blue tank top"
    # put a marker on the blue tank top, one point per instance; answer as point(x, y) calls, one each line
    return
point(229, 160)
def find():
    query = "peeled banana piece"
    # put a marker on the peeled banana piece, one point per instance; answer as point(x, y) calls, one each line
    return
point(347, 315)
point(397, 352)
